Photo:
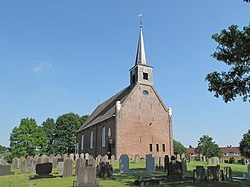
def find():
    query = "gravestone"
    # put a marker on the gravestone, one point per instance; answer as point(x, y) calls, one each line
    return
point(91, 161)
point(82, 155)
point(54, 162)
point(60, 166)
point(39, 160)
point(77, 156)
point(137, 159)
point(23, 166)
point(209, 161)
point(44, 169)
point(124, 164)
point(51, 158)
point(213, 173)
point(215, 160)
point(86, 177)
point(71, 156)
point(80, 162)
point(33, 166)
point(44, 159)
point(178, 157)
point(106, 158)
point(5, 170)
point(150, 163)
point(162, 164)
point(68, 168)
point(166, 162)
point(199, 174)
point(184, 165)
point(14, 163)
point(86, 156)
point(157, 163)
point(65, 156)
point(201, 157)
point(204, 159)
point(104, 170)
point(227, 174)
point(183, 156)
point(29, 158)
point(113, 160)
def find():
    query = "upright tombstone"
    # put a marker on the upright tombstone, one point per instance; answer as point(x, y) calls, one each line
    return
point(71, 156)
point(76, 156)
point(29, 160)
point(150, 163)
point(113, 160)
point(124, 164)
point(68, 168)
point(60, 166)
point(157, 163)
point(184, 165)
point(178, 157)
point(209, 161)
point(98, 159)
point(175, 170)
point(86, 156)
point(51, 158)
point(106, 158)
point(54, 162)
point(82, 155)
point(204, 159)
point(23, 166)
point(80, 162)
point(91, 161)
point(14, 163)
point(33, 166)
point(227, 174)
point(44, 169)
point(5, 170)
point(86, 177)
point(213, 173)
point(199, 174)
point(166, 162)
point(137, 159)
point(162, 163)
point(183, 156)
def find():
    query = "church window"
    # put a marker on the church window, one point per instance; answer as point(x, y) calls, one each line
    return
point(157, 147)
point(103, 136)
point(145, 92)
point(150, 147)
point(109, 132)
point(91, 142)
point(145, 76)
point(163, 147)
point(82, 141)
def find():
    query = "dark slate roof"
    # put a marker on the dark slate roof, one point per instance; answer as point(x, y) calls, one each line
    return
point(107, 109)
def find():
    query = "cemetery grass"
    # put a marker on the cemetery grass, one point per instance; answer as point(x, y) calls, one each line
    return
point(136, 170)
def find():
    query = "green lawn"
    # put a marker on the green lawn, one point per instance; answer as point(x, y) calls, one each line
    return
point(18, 180)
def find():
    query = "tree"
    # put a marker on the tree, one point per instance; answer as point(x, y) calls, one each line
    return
point(245, 145)
point(49, 129)
point(65, 133)
point(3, 149)
point(207, 147)
point(28, 139)
point(234, 51)
point(179, 148)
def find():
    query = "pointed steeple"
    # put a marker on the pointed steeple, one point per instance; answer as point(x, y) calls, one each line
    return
point(141, 53)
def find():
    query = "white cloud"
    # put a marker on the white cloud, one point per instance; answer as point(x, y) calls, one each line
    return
point(41, 68)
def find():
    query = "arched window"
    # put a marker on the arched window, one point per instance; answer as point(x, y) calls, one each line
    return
point(82, 142)
point(103, 136)
point(91, 140)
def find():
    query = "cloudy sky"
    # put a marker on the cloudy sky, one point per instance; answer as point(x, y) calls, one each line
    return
point(67, 56)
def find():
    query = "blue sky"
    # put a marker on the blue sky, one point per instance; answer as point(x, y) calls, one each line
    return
point(66, 56)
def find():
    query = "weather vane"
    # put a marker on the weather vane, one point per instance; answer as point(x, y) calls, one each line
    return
point(140, 16)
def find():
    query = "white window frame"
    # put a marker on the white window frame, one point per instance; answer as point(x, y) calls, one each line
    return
point(82, 141)
point(91, 139)
point(103, 136)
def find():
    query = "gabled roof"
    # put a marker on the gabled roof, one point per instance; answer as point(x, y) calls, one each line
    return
point(229, 149)
point(106, 109)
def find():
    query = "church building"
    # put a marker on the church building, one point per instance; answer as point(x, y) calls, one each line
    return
point(133, 121)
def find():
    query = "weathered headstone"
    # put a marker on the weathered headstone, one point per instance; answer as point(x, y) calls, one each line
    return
point(157, 163)
point(33, 166)
point(104, 170)
point(150, 163)
point(14, 163)
point(29, 158)
point(23, 166)
point(91, 161)
point(76, 156)
point(71, 156)
point(51, 158)
point(204, 159)
point(178, 157)
point(82, 155)
point(166, 162)
point(54, 162)
point(199, 174)
point(80, 162)
point(98, 159)
point(183, 156)
point(106, 158)
point(162, 163)
point(113, 160)
point(60, 166)
point(124, 164)
point(213, 173)
point(5, 170)
point(227, 174)
point(137, 159)
point(65, 156)
point(184, 165)
point(209, 161)
point(86, 156)
point(86, 177)
point(68, 168)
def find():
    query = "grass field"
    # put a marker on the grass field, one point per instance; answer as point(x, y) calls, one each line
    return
point(136, 170)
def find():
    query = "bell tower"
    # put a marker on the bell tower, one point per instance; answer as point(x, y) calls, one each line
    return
point(141, 72)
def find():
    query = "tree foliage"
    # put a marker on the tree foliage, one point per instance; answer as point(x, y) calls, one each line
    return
point(27, 139)
point(65, 133)
point(3, 149)
point(179, 148)
point(245, 145)
point(207, 147)
point(49, 129)
point(234, 50)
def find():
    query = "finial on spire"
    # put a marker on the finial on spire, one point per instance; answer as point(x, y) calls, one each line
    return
point(140, 16)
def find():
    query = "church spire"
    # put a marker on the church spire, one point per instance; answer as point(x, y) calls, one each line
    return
point(141, 53)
